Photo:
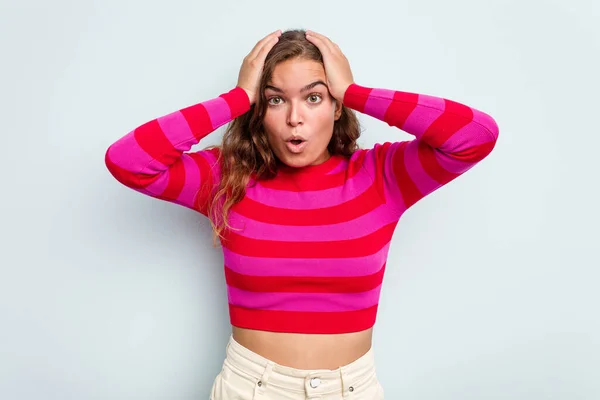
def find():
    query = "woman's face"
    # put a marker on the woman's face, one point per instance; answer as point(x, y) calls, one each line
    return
point(300, 113)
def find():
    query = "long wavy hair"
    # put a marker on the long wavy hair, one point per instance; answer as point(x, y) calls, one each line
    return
point(245, 150)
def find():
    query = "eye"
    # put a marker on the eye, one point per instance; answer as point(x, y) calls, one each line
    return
point(314, 98)
point(274, 98)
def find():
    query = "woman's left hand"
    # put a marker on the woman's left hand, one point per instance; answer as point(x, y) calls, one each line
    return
point(337, 67)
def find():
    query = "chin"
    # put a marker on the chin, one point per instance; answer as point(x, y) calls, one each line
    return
point(297, 160)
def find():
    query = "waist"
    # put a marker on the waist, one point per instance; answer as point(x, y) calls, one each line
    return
point(306, 351)
point(254, 365)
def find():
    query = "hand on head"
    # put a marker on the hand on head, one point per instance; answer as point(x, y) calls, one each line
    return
point(337, 68)
point(252, 66)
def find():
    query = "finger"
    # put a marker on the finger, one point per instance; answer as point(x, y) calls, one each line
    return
point(319, 43)
point(325, 49)
point(324, 39)
point(329, 52)
point(267, 48)
point(258, 47)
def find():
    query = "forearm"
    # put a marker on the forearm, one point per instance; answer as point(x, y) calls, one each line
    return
point(447, 126)
point(152, 148)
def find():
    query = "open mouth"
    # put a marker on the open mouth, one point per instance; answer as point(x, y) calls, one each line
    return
point(296, 144)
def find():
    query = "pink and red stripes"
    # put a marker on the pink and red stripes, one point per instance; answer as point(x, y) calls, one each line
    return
point(450, 139)
point(308, 249)
point(152, 157)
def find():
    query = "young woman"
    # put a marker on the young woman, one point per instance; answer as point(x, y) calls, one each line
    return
point(304, 216)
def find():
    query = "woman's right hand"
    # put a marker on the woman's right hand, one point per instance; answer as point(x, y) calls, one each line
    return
point(252, 67)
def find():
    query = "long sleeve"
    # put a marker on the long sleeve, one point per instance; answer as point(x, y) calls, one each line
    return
point(152, 158)
point(450, 138)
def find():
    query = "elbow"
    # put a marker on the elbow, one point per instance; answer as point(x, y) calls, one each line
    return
point(492, 128)
point(490, 131)
point(478, 142)
point(488, 125)
point(121, 174)
point(113, 169)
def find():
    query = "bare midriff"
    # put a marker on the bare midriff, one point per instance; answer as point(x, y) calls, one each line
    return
point(306, 351)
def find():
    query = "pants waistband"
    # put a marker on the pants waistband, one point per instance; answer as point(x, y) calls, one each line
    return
point(323, 381)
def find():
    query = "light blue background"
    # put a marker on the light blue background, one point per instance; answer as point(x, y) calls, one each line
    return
point(491, 290)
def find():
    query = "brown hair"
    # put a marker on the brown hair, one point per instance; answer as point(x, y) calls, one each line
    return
point(245, 150)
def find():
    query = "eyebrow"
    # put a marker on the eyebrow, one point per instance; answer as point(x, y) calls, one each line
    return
point(304, 89)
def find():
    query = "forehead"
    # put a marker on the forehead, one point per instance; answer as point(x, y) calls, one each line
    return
point(292, 75)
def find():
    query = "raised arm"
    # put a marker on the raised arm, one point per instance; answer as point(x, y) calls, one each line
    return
point(450, 138)
point(152, 158)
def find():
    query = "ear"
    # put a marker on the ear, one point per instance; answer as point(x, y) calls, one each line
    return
point(338, 110)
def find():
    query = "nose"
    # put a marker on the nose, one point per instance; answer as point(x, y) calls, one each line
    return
point(294, 118)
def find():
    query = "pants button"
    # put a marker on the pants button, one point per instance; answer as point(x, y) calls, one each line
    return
point(315, 382)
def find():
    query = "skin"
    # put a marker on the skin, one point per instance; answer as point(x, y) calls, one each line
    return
point(310, 113)
point(291, 110)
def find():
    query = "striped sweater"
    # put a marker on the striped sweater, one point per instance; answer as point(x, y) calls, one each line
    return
point(309, 248)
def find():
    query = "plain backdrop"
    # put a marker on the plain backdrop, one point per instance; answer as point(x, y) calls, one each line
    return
point(491, 290)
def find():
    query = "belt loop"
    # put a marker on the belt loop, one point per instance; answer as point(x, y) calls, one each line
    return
point(267, 372)
point(264, 379)
point(345, 385)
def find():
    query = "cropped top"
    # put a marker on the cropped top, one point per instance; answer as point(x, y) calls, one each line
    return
point(309, 247)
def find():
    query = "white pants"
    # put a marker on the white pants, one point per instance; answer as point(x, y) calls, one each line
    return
point(249, 376)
